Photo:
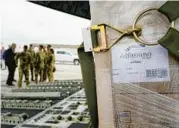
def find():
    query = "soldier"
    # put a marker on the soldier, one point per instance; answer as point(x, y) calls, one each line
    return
point(32, 54)
point(47, 52)
point(50, 65)
point(45, 63)
point(24, 59)
point(49, 48)
point(39, 64)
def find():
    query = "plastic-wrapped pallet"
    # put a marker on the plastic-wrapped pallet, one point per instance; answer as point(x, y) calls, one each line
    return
point(137, 85)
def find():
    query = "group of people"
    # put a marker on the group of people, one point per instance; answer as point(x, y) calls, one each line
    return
point(41, 64)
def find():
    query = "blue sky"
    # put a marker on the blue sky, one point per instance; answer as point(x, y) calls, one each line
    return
point(23, 22)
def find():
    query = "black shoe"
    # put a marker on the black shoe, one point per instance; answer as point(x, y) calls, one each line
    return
point(14, 80)
point(10, 85)
point(32, 80)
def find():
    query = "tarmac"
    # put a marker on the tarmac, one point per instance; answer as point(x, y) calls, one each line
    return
point(63, 72)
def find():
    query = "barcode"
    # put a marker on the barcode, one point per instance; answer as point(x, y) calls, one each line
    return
point(156, 73)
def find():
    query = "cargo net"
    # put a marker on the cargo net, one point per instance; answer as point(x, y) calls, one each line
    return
point(147, 104)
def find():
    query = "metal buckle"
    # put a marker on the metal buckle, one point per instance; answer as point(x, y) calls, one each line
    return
point(103, 44)
point(135, 22)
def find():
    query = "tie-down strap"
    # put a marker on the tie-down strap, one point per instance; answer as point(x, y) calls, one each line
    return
point(170, 41)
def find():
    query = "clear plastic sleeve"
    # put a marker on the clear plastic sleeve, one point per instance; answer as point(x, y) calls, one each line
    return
point(147, 104)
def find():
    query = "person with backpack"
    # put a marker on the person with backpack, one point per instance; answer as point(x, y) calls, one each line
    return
point(51, 65)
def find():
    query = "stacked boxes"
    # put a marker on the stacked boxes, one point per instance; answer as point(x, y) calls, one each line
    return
point(133, 90)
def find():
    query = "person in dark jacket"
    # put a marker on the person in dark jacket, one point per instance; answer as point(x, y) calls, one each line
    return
point(10, 63)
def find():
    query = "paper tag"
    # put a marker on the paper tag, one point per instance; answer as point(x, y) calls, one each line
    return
point(86, 32)
point(139, 63)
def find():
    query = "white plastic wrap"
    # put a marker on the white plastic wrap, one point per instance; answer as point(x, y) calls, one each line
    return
point(143, 104)
point(147, 105)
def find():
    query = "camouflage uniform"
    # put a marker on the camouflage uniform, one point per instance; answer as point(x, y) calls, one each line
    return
point(39, 65)
point(32, 55)
point(45, 66)
point(50, 66)
point(24, 59)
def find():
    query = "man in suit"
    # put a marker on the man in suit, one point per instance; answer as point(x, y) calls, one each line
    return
point(10, 63)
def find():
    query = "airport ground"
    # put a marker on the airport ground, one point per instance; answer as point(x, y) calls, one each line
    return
point(63, 72)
